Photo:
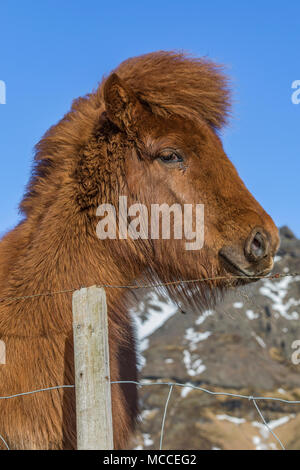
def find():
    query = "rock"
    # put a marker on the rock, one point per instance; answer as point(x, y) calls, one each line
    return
point(244, 346)
point(285, 232)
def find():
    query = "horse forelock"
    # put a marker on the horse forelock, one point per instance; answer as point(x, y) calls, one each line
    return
point(177, 83)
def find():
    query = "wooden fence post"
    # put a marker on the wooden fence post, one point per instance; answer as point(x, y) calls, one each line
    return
point(92, 373)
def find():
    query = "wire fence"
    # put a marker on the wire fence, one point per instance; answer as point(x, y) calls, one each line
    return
point(171, 385)
point(151, 286)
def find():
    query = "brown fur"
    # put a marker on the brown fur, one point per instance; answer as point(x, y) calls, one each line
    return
point(107, 146)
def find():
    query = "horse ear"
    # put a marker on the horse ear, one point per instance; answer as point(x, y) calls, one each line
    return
point(122, 105)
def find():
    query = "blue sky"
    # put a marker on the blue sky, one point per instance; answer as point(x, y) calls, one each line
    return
point(54, 51)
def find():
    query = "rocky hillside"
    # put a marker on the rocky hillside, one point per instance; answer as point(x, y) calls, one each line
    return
point(244, 346)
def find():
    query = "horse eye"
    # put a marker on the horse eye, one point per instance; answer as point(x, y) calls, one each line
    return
point(170, 157)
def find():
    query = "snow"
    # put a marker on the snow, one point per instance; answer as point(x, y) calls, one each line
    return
point(259, 445)
point(277, 291)
point(280, 421)
point(147, 440)
point(238, 304)
point(231, 419)
point(259, 340)
point(272, 424)
point(261, 442)
point(251, 315)
point(185, 391)
point(155, 318)
point(193, 364)
point(144, 414)
point(204, 315)
point(144, 344)
point(195, 337)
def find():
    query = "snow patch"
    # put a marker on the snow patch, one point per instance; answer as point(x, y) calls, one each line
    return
point(155, 319)
point(275, 423)
point(277, 291)
point(185, 391)
point(169, 361)
point(238, 304)
point(204, 315)
point(195, 337)
point(251, 315)
point(144, 414)
point(193, 364)
point(231, 419)
point(259, 340)
point(147, 440)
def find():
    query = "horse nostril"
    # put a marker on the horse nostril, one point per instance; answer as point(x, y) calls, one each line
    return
point(256, 246)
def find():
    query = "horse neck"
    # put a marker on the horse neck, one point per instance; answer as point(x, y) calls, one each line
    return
point(61, 253)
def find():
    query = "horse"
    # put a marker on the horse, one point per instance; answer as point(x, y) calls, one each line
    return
point(150, 132)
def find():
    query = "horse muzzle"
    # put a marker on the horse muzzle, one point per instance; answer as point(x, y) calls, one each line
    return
point(254, 257)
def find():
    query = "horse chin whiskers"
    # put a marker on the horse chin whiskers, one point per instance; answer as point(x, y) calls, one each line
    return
point(196, 297)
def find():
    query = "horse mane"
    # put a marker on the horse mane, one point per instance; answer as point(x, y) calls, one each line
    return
point(167, 82)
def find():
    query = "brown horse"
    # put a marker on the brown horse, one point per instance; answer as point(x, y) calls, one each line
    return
point(149, 132)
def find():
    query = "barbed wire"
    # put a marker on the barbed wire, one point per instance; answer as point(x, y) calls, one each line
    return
point(151, 286)
point(171, 386)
